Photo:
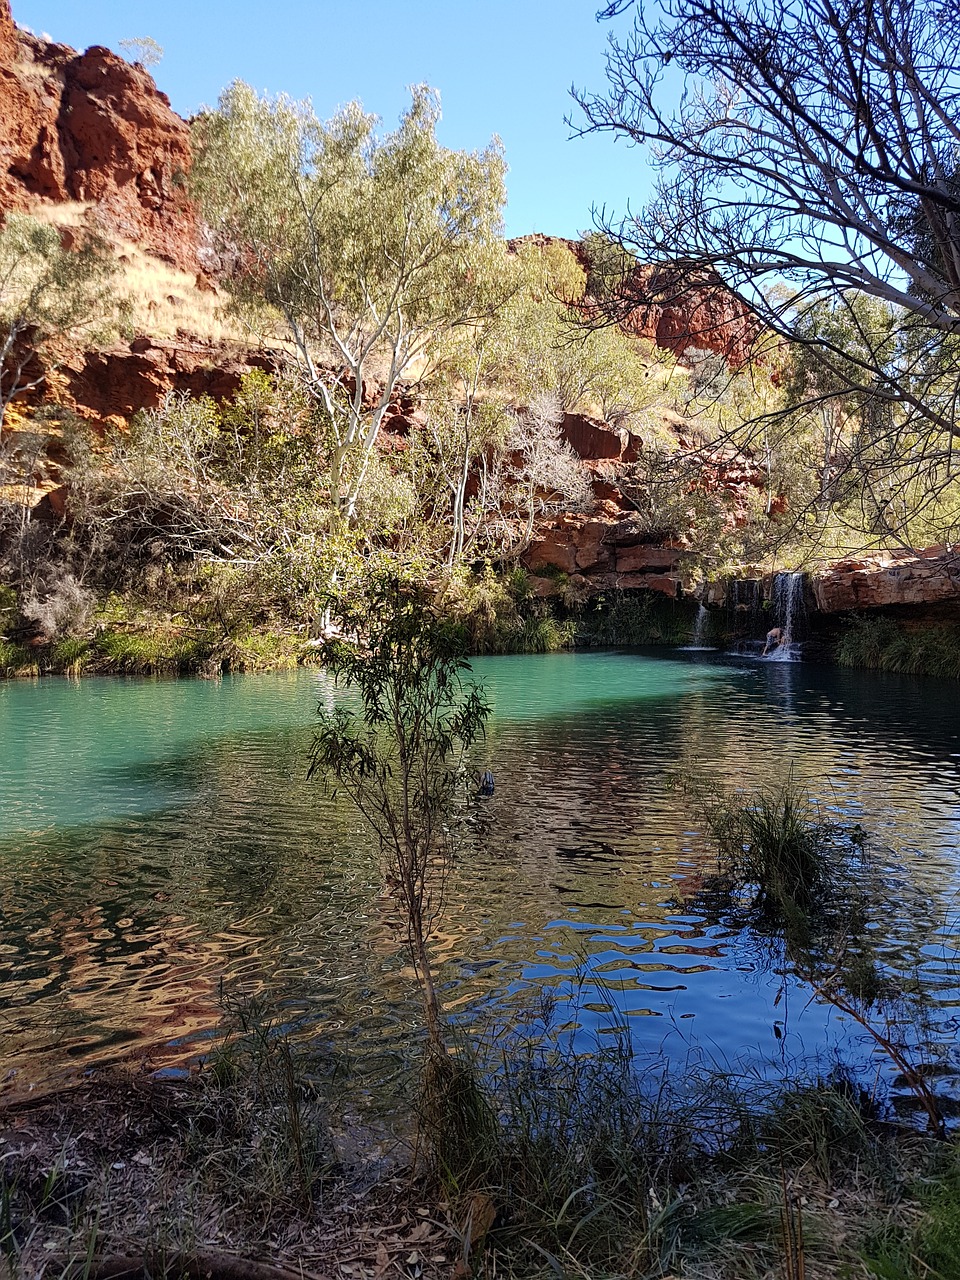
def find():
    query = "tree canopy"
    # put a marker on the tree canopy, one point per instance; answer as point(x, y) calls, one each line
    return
point(358, 250)
point(807, 155)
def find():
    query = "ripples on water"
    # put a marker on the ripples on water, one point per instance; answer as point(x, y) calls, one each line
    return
point(159, 837)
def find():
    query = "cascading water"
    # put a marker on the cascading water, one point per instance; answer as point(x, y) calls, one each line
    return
point(700, 627)
point(743, 613)
point(786, 599)
point(701, 631)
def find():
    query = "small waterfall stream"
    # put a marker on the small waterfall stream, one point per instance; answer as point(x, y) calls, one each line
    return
point(786, 599)
point(701, 631)
point(700, 627)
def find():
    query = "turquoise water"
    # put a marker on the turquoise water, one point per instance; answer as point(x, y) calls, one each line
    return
point(159, 838)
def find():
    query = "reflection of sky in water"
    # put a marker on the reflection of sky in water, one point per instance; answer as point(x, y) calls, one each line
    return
point(157, 835)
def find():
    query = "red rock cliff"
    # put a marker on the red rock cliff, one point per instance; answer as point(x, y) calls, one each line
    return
point(668, 307)
point(90, 127)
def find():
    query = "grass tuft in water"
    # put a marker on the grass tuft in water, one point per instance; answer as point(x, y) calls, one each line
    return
point(776, 855)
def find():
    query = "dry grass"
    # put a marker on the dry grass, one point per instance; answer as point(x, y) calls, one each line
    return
point(125, 1166)
point(157, 298)
point(167, 303)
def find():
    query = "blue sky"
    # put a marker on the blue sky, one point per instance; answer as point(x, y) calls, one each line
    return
point(501, 67)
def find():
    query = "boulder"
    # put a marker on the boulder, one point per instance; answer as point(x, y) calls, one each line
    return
point(641, 559)
point(589, 438)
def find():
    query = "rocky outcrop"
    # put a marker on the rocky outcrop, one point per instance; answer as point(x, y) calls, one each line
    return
point(610, 547)
point(110, 384)
point(92, 128)
point(114, 383)
point(680, 314)
point(670, 308)
point(590, 438)
point(889, 580)
point(583, 555)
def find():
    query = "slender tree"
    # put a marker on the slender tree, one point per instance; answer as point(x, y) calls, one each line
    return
point(400, 755)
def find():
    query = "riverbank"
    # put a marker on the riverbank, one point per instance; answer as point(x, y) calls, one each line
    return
point(164, 649)
point(251, 1169)
point(496, 620)
point(157, 650)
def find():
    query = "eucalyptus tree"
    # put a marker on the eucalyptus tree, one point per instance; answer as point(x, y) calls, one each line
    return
point(807, 153)
point(356, 252)
point(400, 753)
point(50, 296)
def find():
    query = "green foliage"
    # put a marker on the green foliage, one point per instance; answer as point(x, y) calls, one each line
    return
point(270, 1126)
point(886, 645)
point(634, 618)
point(609, 1168)
point(47, 293)
point(70, 655)
point(400, 756)
point(164, 651)
point(499, 615)
point(17, 659)
point(776, 854)
point(361, 252)
point(546, 348)
point(928, 1247)
point(609, 266)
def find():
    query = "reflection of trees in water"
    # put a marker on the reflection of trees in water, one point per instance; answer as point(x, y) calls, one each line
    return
point(250, 872)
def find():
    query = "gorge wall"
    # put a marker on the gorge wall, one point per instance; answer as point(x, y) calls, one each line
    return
point(94, 132)
point(89, 127)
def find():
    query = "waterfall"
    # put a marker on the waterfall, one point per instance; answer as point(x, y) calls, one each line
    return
point(743, 612)
point(786, 600)
point(700, 624)
point(701, 630)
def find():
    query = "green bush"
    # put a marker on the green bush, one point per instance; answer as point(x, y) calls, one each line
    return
point(16, 659)
point(158, 652)
point(70, 655)
point(637, 618)
point(886, 645)
point(500, 615)
point(777, 857)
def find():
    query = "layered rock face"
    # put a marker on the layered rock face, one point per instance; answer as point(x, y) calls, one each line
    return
point(610, 547)
point(115, 383)
point(889, 580)
point(682, 315)
point(92, 128)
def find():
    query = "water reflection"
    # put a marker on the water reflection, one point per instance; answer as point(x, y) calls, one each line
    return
point(155, 837)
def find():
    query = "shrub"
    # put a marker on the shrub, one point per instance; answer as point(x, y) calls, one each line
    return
point(885, 645)
point(16, 660)
point(63, 608)
point(637, 618)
